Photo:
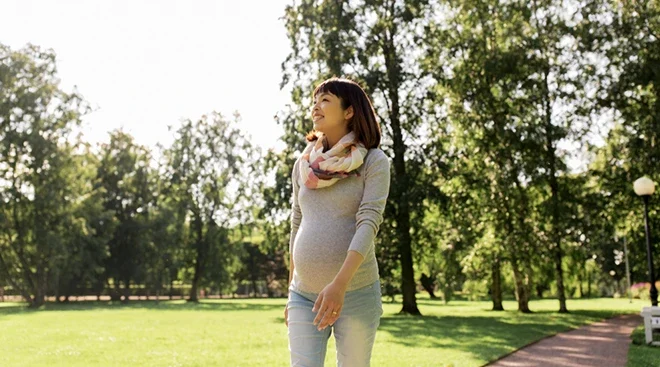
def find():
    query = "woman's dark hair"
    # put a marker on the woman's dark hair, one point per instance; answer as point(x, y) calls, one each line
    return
point(363, 123)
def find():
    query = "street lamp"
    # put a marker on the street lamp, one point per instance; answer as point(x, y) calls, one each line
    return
point(645, 187)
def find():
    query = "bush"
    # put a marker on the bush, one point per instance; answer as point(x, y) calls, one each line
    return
point(641, 290)
point(476, 290)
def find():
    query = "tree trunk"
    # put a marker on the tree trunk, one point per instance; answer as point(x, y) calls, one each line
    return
point(539, 290)
point(408, 285)
point(57, 290)
point(402, 218)
point(40, 289)
point(579, 279)
point(521, 292)
point(551, 157)
point(429, 285)
point(254, 287)
point(200, 258)
point(115, 295)
point(522, 295)
point(192, 297)
point(496, 285)
point(127, 290)
point(269, 290)
point(401, 185)
point(561, 293)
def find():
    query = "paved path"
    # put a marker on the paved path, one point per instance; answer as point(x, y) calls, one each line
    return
point(603, 344)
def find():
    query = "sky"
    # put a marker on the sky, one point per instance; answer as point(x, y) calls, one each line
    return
point(144, 65)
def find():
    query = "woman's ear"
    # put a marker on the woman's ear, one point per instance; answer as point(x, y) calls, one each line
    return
point(348, 113)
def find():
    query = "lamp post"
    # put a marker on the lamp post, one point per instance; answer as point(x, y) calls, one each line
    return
point(645, 187)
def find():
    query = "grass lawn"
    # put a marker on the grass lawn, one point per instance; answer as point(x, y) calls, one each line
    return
point(252, 332)
point(641, 355)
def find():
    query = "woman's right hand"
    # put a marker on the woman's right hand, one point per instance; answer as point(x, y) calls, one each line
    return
point(286, 315)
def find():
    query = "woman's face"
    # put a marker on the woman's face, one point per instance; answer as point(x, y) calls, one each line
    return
point(328, 115)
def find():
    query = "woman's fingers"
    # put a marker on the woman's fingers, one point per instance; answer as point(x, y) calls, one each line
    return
point(318, 303)
point(320, 312)
point(324, 317)
point(329, 318)
point(286, 315)
point(328, 305)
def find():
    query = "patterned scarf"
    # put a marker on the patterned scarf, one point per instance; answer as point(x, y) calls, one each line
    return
point(319, 169)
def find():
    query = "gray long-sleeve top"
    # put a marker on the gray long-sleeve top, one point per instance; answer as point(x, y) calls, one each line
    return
point(328, 222)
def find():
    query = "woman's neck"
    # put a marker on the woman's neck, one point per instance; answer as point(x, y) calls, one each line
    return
point(333, 138)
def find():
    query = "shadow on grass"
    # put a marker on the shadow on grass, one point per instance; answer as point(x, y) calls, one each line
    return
point(179, 305)
point(640, 354)
point(486, 337)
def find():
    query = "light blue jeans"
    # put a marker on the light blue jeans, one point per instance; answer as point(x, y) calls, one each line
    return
point(355, 329)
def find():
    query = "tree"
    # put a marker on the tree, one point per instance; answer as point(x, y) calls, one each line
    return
point(624, 35)
point(126, 178)
point(560, 91)
point(481, 80)
point(80, 269)
point(165, 248)
point(209, 169)
point(524, 89)
point(37, 170)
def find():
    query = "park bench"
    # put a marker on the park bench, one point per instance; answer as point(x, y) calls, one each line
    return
point(651, 324)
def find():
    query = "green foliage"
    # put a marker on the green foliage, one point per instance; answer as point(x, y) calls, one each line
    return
point(631, 148)
point(209, 170)
point(640, 354)
point(76, 219)
point(40, 201)
point(476, 290)
point(126, 180)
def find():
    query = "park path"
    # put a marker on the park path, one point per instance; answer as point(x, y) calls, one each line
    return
point(603, 344)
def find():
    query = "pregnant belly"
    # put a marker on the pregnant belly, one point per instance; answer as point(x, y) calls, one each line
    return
point(318, 253)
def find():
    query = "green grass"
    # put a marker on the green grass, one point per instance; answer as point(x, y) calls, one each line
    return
point(252, 332)
point(640, 354)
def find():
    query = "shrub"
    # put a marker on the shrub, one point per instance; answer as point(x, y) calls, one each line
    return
point(641, 290)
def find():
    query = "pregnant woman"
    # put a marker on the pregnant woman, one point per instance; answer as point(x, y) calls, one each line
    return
point(340, 187)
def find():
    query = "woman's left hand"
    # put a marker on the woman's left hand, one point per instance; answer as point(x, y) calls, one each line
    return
point(329, 304)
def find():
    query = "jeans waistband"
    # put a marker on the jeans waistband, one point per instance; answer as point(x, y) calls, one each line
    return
point(313, 296)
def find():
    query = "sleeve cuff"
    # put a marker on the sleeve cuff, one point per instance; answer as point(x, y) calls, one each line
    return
point(363, 240)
